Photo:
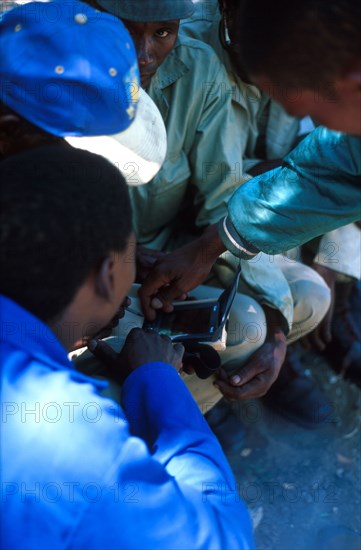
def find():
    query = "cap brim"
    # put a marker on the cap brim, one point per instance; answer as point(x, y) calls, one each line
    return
point(139, 151)
point(148, 11)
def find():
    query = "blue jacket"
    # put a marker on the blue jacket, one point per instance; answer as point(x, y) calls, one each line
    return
point(78, 471)
point(315, 191)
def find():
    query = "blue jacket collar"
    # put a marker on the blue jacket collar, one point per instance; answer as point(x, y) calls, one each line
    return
point(23, 330)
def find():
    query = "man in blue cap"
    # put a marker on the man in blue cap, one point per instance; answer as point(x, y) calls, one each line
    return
point(53, 86)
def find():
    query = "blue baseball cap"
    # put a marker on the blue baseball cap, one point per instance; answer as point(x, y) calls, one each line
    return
point(68, 68)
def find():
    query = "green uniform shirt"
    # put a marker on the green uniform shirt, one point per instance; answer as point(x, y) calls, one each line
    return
point(202, 167)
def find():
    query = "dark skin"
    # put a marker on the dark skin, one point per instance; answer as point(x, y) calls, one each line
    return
point(141, 347)
point(172, 277)
point(174, 274)
point(153, 42)
point(146, 259)
point(256, 377)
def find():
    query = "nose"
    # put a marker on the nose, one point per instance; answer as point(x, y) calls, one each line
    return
point(145, 52)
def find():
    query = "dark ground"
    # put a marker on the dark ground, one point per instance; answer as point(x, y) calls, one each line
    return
point(302, 486)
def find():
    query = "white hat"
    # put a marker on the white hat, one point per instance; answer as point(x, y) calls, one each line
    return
point(139, 151)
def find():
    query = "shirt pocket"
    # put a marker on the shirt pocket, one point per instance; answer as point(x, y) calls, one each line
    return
point(157, 203)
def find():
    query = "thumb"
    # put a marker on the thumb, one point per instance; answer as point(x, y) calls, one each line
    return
point(166, 295)
point(179, 350)
point(104, 353)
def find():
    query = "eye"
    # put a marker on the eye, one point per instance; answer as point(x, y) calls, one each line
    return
point(162, 33)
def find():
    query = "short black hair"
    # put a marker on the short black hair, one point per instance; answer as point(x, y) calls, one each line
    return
point(62, 212)
point(18, 134)
point(305, 43)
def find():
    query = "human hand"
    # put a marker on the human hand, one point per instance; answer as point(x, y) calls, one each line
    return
point(322, 335)
point(141, 347)
point(178, 272)
point(256, 377)
point(146, 258)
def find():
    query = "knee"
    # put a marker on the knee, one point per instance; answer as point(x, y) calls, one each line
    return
point(312, 299)
point(246, 333)
point(247, 322)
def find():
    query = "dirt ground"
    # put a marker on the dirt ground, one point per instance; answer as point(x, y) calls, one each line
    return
point(302, 486)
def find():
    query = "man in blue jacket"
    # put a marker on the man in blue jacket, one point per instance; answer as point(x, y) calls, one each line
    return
point(79, 471)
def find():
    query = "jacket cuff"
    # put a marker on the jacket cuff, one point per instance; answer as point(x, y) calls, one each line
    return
point(234, 242)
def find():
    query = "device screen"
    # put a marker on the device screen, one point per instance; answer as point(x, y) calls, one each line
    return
point(196, 320)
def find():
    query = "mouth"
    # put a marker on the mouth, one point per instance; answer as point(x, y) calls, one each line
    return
point(146, 77)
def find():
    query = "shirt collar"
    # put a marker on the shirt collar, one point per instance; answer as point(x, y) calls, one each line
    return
point(23, 330)
point(171, 69)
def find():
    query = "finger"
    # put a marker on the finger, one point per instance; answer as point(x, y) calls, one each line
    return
point(154, 294)
point(182, 297)
point(146, 295)
point(167, 295)
point(126, 302)
point(133, 335)
point(222, 375)
point(254, 388)
point(179, 349)
point(188, 369)
point(103, 352)
point(246, 373)
point(156, 279)
point(158, 303)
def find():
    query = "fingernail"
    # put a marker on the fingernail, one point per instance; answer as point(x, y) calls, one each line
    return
point(235, 379)
point(92, 344)
point(156, 303)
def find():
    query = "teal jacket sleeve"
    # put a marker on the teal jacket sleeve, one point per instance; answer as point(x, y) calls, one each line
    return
point(316, 190)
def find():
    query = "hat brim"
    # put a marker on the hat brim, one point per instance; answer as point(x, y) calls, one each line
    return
point(152, 10)
point(139, 151)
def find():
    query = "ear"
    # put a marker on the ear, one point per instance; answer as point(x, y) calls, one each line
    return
point(351, 77)
point(9, 117)
point(355, 77)
point(104, 280)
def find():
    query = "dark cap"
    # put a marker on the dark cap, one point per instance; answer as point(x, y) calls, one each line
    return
point(148, 10)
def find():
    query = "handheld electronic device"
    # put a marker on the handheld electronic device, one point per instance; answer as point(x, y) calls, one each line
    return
point(197, 320)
